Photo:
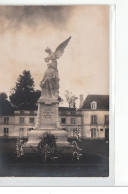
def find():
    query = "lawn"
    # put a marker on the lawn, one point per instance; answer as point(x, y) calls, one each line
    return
point(93, 164)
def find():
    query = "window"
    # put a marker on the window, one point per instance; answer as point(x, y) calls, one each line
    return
point(93, 119)
point(30, 129)
point(21, 132)
point(73, 120)
point(93, 132)
point(106, 120)
point(101, 129)
point(32, 112)
point(6, 131)
point(73, 112)
point(21, 129)
point(94, 105)
point(31, 120)
point(6, 120)
point(21, 120)
point(63, 120)
point(22, 112)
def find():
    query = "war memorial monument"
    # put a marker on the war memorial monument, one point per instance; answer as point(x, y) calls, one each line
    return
point(48, 116)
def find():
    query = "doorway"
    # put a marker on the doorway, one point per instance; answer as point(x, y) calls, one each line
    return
point(107, 134)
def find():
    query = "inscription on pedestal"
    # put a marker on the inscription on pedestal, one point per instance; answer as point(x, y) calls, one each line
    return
point(48, 113)
point(48, 116)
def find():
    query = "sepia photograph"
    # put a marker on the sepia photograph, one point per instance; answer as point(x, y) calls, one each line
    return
point(54, 91)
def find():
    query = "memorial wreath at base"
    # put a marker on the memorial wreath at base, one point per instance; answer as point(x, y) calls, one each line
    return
point(47, 146)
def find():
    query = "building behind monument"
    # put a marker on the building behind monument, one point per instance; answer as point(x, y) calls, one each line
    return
point(95, 111)
point(90, 121)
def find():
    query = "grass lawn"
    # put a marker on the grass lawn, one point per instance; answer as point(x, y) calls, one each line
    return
point(93, 164)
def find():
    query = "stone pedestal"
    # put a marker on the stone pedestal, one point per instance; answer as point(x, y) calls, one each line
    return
point(47, 115)
point(47, 121)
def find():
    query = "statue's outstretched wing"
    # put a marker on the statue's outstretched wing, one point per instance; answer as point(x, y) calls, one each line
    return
point(60, 49)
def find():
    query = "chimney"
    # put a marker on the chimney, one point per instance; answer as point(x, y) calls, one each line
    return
point(81, 100)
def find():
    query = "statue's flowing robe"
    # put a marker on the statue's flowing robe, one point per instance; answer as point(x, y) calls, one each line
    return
point(50, 84)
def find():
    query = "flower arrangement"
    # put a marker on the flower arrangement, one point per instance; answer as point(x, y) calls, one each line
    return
point(47, 146)
point(19, 149)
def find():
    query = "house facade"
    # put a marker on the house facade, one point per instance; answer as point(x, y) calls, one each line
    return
point(70, 120)
point(90, 121)
point(21, 122)
point(95, 120)
point(18, 124)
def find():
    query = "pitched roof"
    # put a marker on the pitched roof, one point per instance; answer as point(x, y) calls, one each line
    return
point(102, 102)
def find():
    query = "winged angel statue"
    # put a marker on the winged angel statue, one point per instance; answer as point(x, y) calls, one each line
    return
point(50, 81)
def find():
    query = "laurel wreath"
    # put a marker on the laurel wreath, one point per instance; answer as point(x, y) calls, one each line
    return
point(47, 146)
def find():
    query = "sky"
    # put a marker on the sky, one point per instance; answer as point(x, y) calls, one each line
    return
point(25, 32)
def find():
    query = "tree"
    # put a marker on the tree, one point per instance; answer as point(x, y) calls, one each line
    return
point(3, 96)
point(5, 106)
point(24, 96)
point(71, 99)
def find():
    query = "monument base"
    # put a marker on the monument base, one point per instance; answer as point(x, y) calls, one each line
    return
point(63, 146)
point(48, 122)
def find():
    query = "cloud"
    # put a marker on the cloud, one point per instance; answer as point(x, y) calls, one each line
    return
point(14, 17)
point(25, 31)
